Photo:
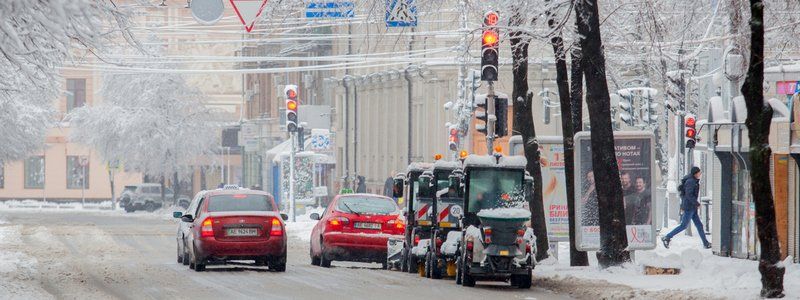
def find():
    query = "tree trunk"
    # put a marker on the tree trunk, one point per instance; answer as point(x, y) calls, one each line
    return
point(759, 118)
point(203, 185)
point(113, 195)
point(613, 240)
point(523, 125)
point(176, 186)
point(576, 258)
point(163, 190)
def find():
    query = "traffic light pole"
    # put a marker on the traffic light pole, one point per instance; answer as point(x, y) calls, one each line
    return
point(490, 117)
point(291, 178)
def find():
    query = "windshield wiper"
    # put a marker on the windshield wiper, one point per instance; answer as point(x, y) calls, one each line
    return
point(351, 210)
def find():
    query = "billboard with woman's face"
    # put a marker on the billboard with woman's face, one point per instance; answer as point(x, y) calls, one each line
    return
point(635, 158)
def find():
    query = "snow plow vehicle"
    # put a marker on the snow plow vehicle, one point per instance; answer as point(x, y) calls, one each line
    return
point(400, 253)
point(496, 242)
point(447, 208)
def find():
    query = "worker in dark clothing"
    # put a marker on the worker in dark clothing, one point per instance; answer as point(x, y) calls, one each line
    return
point(689, 190)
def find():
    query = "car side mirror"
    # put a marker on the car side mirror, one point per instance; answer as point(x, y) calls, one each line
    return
point(314, 216)
point(187, 218)
point(284, 217)
point(177, 214)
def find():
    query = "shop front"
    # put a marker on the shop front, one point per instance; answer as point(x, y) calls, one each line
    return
point(733, 226)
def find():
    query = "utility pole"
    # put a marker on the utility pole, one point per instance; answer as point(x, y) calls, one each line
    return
point(490, 118)
point(291, 178)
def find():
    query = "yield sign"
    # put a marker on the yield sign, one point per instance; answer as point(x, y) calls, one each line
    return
point(248, 11)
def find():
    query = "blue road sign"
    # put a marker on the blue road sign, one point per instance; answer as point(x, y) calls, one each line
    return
point(401, 13)
point(330, 10)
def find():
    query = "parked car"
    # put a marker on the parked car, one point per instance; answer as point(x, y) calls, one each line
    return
point(355, 227)
point(184, 229)
point(147, 196)
point(234, 225)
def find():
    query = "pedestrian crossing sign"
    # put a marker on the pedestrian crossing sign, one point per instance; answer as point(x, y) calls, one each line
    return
point(401, 13)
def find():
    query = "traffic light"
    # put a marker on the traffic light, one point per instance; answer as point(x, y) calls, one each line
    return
point(626, 104)
point(652, 113)
point(291, 108)
point(480, 113)
point(690, 131)
point(453, 140)
point(490, 54)
point(501, 111)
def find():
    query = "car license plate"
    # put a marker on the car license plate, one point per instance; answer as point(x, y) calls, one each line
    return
point(362, 225)
point(504, 252)
point(242, 232)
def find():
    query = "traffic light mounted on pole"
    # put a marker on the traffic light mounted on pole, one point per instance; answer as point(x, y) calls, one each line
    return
point(480, 113)
point(291, 108)
point(690, 131)
point(490, 54)
point(626, 104)
point(453, 141)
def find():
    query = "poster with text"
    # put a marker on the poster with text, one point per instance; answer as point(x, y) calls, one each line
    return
point(635, 158)
point(554, 190)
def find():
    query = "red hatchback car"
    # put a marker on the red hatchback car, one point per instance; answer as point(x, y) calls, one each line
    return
point(355, 227)
point(237, 224)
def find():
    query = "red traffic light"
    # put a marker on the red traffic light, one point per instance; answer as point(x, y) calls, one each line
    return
point(491, 18)
point(691, 122)
point(490, 38)
point(690, 133)
point(291, 94)
point(291, 105)
point(453, 131)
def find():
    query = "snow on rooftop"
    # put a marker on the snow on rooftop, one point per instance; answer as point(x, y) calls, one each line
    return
point(516, 161)
point(418, 166)
point(446, 164)
point(503, 213)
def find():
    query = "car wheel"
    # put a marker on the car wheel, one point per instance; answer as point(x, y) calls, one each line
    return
point(180, 254)
point(412, 263)
point(199, 266)
point(261, 261)
point(129, 208)
point(466, 279)
point(436, 272)
point(385, 264)
point(428, 265)
point(314, 260)
point(524, 281)
point(150, 207)
point(279, 264)
point(458, 270)
point(323, 258)
point(185, 259)
point(403, 261)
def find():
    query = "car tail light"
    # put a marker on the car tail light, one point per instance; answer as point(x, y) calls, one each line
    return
point(337, 223)
point(276, 229)
point(470, 244)
point(487, 235)
point(207, 230)
point(396, 225)
point(416, 239)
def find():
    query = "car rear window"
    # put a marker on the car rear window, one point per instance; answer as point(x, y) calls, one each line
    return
point(240, 202)
point(367, 205)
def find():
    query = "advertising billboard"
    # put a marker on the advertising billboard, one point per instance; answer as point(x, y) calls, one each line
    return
point(636, 160)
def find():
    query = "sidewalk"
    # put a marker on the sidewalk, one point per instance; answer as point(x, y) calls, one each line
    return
point(703, 275)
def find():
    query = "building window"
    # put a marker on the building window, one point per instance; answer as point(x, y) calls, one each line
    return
point(76, 93)
point(77, 172)
point(34, 172)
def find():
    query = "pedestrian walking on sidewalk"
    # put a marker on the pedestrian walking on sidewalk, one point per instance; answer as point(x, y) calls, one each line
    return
point(689, 190)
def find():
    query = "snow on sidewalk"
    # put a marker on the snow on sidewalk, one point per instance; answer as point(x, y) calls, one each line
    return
point(702, 273)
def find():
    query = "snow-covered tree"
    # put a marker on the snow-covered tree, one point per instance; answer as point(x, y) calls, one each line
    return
point(36, 37)
point(153, 123)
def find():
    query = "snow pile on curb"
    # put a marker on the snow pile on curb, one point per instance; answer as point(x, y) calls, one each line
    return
point(516, 213)
point(17, 269)
point(701, 271)
point(303, 225)
point(37, 205)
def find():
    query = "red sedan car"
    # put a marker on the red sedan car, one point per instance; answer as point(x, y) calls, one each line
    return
point(355, 227)
point(236, 224)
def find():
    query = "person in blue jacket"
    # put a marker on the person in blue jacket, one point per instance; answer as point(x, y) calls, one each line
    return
point(689, 189)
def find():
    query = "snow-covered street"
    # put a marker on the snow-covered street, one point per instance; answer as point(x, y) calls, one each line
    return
point(106, 255)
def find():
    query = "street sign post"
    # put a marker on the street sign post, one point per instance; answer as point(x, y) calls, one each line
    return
point(248, 11)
